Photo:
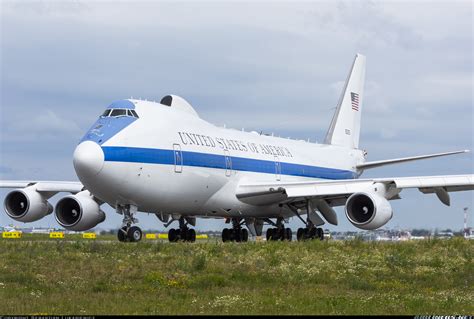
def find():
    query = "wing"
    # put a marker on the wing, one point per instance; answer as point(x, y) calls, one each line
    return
point(45, 186)
point(335, 193)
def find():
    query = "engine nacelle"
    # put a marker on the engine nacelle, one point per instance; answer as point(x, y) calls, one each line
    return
point(26, 205)
point(368, 210)
point(78, 212)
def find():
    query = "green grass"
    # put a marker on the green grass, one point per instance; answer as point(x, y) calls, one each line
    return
point(89, 277)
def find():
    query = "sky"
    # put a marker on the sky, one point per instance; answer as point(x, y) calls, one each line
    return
point(272, 66)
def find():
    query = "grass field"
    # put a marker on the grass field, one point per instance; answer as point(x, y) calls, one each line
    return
point(351, 277)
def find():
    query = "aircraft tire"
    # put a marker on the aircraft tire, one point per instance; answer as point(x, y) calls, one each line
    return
point(192, 235)
point(134, 234)
point(300, 234)
point(275, 234)
point(245, 235)
point(226, 235)
point(122, 234)
point(279, 234)
point(320, 234)
point(172, 236)
point(288, 234)
point(269, 234)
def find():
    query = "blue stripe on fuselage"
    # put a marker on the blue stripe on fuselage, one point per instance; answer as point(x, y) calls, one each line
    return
point(166, 157)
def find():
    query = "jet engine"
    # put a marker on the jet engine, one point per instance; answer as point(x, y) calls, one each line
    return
point(368, 210)
point(26, 205)
point(79, 212)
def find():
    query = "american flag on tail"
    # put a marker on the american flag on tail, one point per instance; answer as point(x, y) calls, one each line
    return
point(355, 101)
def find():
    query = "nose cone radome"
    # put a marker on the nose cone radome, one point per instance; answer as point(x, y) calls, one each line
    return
point(88, 159)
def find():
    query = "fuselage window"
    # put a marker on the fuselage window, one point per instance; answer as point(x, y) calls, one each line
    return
point(118, 112)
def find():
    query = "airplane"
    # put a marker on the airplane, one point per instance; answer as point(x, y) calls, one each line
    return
point(163, 158)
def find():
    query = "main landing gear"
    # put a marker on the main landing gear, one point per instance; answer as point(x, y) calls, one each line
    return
point(279, 232)
point(236, 233)
point(309, 232)
point(183, 233)
point(128, 233)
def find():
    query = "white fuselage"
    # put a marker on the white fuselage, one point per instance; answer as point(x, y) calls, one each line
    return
point(171, 161)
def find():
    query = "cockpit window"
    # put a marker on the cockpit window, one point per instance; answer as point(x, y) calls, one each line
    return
point(106, 113)
point(134, 113)
point(119, 112)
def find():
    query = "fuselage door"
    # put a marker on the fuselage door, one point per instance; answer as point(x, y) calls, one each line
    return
point(277, 169)
point(178, 158)
point(228, 163)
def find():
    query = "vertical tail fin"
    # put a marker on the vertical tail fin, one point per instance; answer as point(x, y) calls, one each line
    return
point(345, 125)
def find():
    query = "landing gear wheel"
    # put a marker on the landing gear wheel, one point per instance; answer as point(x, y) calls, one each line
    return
point(172, 235)
point(122, 234)
point(300, 234)
point(191, 235)
point(186, 235)
point(245, 235)
point(288, 234)
point(134, 234)
point(225, 235)
point(269, 234)
point(320, 234)
point(276, 234)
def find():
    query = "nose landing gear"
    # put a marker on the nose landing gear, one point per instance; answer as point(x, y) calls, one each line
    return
point(128, 233)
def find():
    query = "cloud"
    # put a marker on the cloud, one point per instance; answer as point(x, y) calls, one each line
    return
point(42, 124)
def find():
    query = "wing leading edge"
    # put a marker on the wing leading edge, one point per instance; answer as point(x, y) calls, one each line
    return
point(45, 186)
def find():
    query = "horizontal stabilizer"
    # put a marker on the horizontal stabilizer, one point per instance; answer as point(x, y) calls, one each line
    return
point(374, 164)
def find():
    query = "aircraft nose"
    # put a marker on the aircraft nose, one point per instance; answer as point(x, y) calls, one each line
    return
point(88, 159)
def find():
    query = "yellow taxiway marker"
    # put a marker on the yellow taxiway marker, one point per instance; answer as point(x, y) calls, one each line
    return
point(89, 235)
point(203, 236)
point(11, 234)
point(150, 236)
point(56, 235)
point(163, 236)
